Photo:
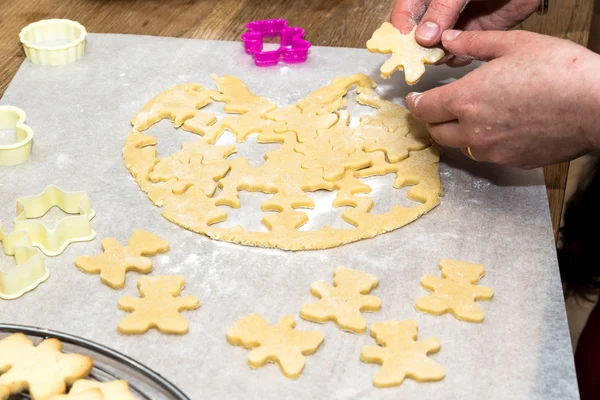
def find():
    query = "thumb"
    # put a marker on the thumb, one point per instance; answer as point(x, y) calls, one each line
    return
point(481, 45)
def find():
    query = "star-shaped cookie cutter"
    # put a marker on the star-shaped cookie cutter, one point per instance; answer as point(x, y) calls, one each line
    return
point(30, 270)
point(73, 228)
point(18, 152)
point(292, 49)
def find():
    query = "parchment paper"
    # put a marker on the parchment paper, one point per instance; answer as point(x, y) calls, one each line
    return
point(491, 215)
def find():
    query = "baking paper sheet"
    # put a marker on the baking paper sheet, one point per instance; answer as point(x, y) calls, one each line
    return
point(491, 215)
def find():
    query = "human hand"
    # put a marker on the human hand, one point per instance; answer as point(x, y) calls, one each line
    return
point(435, 16)
point(536, 102)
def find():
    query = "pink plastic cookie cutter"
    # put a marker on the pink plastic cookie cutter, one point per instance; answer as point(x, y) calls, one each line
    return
point(292, 49)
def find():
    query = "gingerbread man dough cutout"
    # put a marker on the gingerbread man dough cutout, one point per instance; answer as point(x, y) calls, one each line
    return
point(344, 301)
point(407, 54)
point(115, 390)
point(158, 307)
point(280, 343)
point(43, 371)
point(117, 260)
point(400, 355)
point(91, 394)
point(456, 292)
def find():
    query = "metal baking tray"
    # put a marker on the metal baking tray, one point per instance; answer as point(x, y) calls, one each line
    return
point(109, 365)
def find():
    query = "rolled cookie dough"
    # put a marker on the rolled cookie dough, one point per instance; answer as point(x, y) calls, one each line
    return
point(318, 151)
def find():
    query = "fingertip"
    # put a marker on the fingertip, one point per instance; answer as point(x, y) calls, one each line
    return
point(429, 106)
point(450, 34)
point(402, 19)
point(479, 45)
point(428, 33)
point(412, 102)
point(447, 57)
point(458, 62)
point(402, 24)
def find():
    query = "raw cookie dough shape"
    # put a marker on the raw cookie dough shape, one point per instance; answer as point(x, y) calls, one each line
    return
point(43, 371)
point(114, 390)
point(407, 54)
point(318, 151)
point(116, 260)
point(179, 104)
point(281, 343)
point(158, 307)
point(456, 292)
point(73, 228)
point(344, 301)
point(400, 355)
point(30, 269)
point(92, 394)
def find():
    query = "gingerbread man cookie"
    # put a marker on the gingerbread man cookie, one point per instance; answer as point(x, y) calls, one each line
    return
point(456, 292)
point(344, 301)
point(117, 260)
point(115, 390)
point(43, 371)
point(280, 343)
point(158, 307)
point(400, 355)
point(407, 54)
point(91, 394)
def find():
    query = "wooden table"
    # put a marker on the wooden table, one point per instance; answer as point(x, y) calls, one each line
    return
point(345, 23)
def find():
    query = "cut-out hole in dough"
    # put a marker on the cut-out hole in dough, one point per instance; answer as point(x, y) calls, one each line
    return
point(384, 195)
point(250, 149)
point(355, 109)
point(169, 139)
point(216, 107)
point(249, 215)
point(324, 214)
point(393, 91)
point(354, 122)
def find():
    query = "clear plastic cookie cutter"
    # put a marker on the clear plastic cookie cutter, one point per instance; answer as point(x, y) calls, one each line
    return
point(53, 41)
point(292, 47)
point(73, 228)
point(18, 152)
point(30, 270)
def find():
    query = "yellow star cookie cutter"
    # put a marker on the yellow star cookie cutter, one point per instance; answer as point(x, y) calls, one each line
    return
point(407, 54)
point(30, 270)
point(18, 152)
point(74, 228)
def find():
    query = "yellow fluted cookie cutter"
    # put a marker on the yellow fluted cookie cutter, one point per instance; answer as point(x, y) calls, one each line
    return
point(18, 152)
point(74, 228)
point(30, 270)
point(34, 35)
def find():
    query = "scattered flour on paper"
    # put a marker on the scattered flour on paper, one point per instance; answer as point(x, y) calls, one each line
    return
point(192, 259)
